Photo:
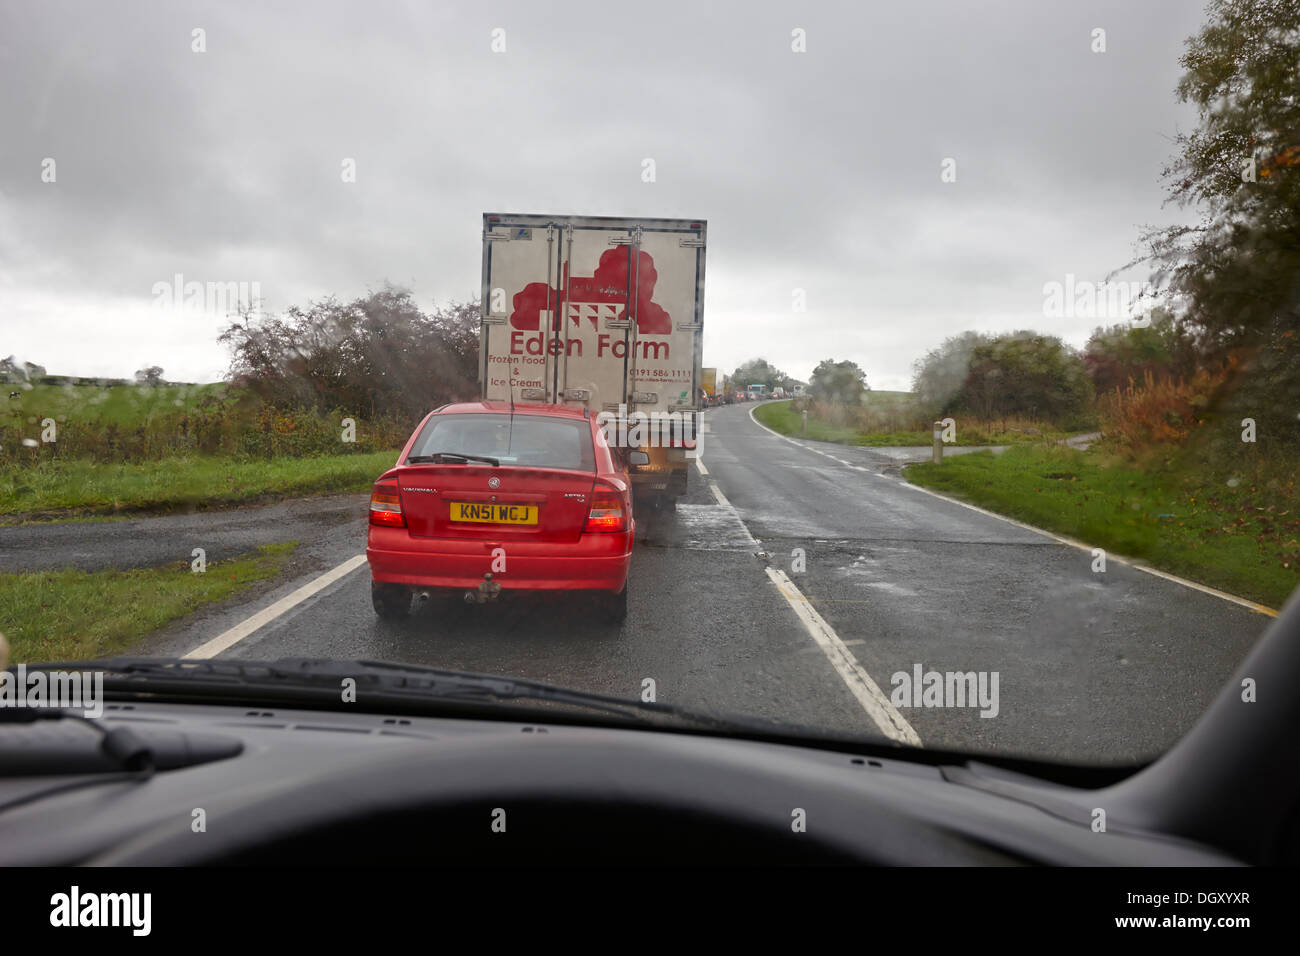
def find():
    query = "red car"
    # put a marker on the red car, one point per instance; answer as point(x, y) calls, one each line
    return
point(485, 499)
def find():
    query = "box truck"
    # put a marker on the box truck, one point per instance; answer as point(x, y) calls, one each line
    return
point(606, 314)
point(709, 384)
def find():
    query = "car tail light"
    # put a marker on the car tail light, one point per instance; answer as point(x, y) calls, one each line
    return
point(606, 512)
point(386, 505)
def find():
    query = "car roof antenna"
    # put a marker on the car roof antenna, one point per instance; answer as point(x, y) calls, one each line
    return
point(510, 436)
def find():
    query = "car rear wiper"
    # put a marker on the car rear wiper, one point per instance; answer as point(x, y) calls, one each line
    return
point(451, 458)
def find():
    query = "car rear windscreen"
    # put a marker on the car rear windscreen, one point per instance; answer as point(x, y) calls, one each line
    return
point(531, 441)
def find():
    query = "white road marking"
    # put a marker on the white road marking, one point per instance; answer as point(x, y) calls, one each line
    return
point(228, 639)
point(1060, 539)
point(873, 700)
point(1118, 559)
point(868, 694)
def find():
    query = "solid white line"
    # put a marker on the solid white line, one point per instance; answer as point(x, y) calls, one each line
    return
point(873, 700)
point(1060, 539)
point(230, 638)
point(1118, 559)
point(1271, 612)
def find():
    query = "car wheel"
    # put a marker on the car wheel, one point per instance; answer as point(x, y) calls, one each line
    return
point(613, 607)
point(391, 601)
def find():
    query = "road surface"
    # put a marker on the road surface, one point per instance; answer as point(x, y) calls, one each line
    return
point(794, 583)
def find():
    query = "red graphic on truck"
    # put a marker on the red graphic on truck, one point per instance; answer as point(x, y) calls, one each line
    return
point(602, 295)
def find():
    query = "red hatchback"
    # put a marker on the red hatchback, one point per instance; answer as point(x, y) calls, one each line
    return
point(485, 499)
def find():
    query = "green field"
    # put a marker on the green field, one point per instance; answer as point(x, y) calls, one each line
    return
point(71, 489)
point(76, 615)
point(1244, 539)
point(781, 417)
point(877, 398)
point(127, 406)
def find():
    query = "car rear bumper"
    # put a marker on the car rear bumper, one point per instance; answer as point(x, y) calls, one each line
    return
point(595, 562)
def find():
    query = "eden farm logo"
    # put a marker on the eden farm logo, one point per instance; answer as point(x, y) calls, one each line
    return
point(601, 295)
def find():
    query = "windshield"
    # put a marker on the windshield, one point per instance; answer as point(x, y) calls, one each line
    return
point(520, 440)
point(940, 362)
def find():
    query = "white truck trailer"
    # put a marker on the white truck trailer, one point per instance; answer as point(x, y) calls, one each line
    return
point(603, 313)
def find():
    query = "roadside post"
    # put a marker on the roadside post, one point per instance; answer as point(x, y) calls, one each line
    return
point(938, 442)
point(803, 423)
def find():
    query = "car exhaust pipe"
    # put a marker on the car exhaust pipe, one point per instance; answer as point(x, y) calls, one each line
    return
point(489, 590)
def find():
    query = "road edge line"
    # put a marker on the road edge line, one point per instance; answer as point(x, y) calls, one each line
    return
point(229, 638)
point(1060, 539)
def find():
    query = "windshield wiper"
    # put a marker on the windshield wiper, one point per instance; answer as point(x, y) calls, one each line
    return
point(310, 681)
point(451, 458)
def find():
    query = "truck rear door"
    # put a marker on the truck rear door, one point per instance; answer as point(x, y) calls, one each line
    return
point(601, 312)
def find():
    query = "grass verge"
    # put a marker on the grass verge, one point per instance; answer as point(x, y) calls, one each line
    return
point(73, 489)
point(1241, 536)
point(781, 417)
point(76, 615)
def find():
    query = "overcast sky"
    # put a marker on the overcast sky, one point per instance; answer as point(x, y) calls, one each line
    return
point(818, 171)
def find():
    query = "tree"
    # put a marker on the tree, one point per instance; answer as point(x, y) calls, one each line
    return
point(1019, 373)
point(760, 372)
point(151, 376)
point(376, 355)
point(1165, 348)
point(1233, 274)
point(1026, 373)
point(14, 369)
point(839, 382)
point(937, 379)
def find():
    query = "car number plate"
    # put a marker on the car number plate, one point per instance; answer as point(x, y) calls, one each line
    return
point(493, 513)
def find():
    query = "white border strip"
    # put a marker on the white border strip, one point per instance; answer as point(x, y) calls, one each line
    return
point(228, 639)
point(1060, 539)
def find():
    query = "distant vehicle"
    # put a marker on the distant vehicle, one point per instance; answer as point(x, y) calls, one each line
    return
point(479, 480)
point(778, 392)
point(709, 385)
point(757, 392)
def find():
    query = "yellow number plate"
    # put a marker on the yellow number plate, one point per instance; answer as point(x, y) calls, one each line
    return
point(493, 513)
